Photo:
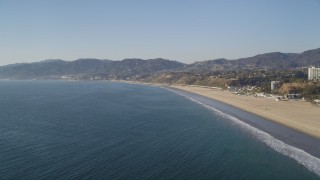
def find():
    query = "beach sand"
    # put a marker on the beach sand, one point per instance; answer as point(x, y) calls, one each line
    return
point(298, 115)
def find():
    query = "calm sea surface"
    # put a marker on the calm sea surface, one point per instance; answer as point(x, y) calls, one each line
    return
point(104, 130)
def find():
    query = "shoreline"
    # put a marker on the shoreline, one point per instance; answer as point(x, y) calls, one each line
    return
point(302, 146)
point(300, 116)
point(299, 146)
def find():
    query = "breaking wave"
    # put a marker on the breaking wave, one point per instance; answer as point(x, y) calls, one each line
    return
point(312, 163)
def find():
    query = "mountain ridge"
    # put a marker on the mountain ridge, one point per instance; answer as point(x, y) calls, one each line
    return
point(273, 60)
point(55, 68)
point(49, 69)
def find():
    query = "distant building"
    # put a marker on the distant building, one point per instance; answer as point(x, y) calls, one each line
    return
point(275, 85)
point(317, 101)
point(313, 73)
point(234, 88)
point(293, 96)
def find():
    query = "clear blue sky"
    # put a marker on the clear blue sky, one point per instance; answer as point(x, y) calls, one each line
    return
point(183, 30)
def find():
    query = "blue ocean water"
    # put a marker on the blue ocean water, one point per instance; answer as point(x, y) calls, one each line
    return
point(107, 130)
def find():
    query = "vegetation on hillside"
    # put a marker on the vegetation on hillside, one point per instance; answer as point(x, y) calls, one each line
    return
point(290, 69)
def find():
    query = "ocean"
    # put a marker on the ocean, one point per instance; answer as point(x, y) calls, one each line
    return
point(110, 130)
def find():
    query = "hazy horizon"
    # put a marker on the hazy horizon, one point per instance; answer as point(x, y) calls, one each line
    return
point(187, 32)
point(70, 60)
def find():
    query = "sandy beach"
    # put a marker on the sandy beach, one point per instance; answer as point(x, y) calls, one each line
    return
point(298, 115)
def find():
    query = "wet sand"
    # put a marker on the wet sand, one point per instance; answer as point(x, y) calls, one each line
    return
point(298, 115)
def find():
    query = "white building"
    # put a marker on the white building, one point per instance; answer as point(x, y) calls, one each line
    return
point(313, 73)
point(275, 85)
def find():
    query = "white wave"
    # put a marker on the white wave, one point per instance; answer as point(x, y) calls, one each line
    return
point(312, 163)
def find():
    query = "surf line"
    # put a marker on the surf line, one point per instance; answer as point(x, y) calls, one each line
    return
point(312, 163)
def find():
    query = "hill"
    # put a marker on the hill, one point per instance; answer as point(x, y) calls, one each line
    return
point(275, 60)
point(52, 69)
point(127, 68)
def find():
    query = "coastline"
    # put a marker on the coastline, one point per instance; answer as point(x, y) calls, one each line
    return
point(300, 116)
point(296, 115)
point(292, 142)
